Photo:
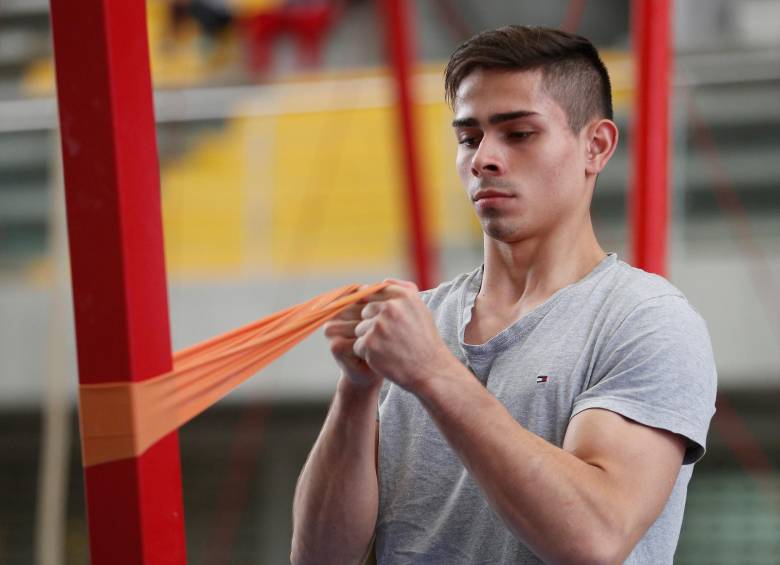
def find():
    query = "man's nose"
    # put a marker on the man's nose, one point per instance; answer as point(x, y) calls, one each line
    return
point(487, 160)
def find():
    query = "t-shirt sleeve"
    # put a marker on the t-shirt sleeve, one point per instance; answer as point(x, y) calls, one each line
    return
point(658, 369)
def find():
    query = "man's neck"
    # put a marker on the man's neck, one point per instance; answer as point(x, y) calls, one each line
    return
point(530, 271)
point(520, 276)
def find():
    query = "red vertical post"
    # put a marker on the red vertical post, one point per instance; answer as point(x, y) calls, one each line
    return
point(651, 33)
point(401, 53)
point(110, 162)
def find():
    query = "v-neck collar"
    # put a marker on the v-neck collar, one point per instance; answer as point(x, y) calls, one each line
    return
point(524, 323)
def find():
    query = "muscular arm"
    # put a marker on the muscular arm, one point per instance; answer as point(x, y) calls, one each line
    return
point(336, 499)
point(587, 502)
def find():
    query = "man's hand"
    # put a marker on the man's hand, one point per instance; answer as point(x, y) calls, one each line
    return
point(337, 496)
point(397, 337)
point(340, 332)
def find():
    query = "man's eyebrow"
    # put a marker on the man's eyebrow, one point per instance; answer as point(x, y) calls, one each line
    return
point(508, 116)
point(494, 119)
point(465, 123)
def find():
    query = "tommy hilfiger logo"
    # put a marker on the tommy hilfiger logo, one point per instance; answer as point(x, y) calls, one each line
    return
point(541, 379)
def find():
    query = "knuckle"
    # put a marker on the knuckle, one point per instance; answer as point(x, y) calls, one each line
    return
point(369, 342)
point(376, 308)
point(380, 328)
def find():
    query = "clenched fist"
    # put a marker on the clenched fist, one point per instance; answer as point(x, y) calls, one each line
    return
point(397, 338)
point(340, 332)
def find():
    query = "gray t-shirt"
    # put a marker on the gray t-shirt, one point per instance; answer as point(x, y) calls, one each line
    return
point(619, 339)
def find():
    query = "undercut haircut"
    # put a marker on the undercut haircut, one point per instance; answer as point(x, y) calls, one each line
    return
point(572, 71)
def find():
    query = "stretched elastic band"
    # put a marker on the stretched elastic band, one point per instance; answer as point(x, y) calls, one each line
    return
point(123, 419)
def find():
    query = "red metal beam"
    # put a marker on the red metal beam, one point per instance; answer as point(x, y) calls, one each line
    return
point(111, 171)
point(651, 32)
point(399, 37)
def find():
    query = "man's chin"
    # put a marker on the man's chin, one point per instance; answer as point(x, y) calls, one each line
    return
point(504, 232)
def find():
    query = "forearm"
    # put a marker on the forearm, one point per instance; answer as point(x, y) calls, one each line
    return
point(563, 508)
point(336, 499)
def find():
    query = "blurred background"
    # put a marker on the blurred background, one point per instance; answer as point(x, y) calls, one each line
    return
point(281, 179)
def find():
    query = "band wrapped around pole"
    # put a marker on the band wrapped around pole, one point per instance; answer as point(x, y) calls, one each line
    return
point(121, 420)
point(134, 506)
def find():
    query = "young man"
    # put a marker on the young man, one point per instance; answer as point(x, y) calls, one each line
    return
point(546, 407)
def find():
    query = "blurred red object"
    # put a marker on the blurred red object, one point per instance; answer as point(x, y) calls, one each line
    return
point(307, 23)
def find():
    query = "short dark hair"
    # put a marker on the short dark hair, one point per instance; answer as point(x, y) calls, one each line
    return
point(572, 71)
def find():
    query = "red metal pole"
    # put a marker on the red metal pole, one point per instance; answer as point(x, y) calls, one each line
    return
point(650, 137)
point(401, 53)
point(111, 171)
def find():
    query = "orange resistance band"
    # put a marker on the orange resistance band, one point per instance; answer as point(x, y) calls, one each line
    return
point(123, 419)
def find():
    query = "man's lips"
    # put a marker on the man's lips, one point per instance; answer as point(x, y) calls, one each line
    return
point(490, 194)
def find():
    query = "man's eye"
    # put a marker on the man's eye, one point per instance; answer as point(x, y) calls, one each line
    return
point(520, 134)
point(468, 141)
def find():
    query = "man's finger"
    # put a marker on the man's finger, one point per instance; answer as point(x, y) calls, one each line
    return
point(370, 310)
point(400, 282)
point(364, 327)
point(340, 328)
point(350, 313)
point(359, 348)
point(387, 293)
point(341, 345)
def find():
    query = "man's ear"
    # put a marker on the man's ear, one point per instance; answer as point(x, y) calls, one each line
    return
point(600, 143)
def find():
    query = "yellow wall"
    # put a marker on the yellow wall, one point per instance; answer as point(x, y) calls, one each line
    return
point(305, 191)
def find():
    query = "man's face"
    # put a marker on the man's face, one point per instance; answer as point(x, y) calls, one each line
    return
point(521, 165)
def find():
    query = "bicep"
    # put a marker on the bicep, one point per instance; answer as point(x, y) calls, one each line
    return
point(641, 463)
